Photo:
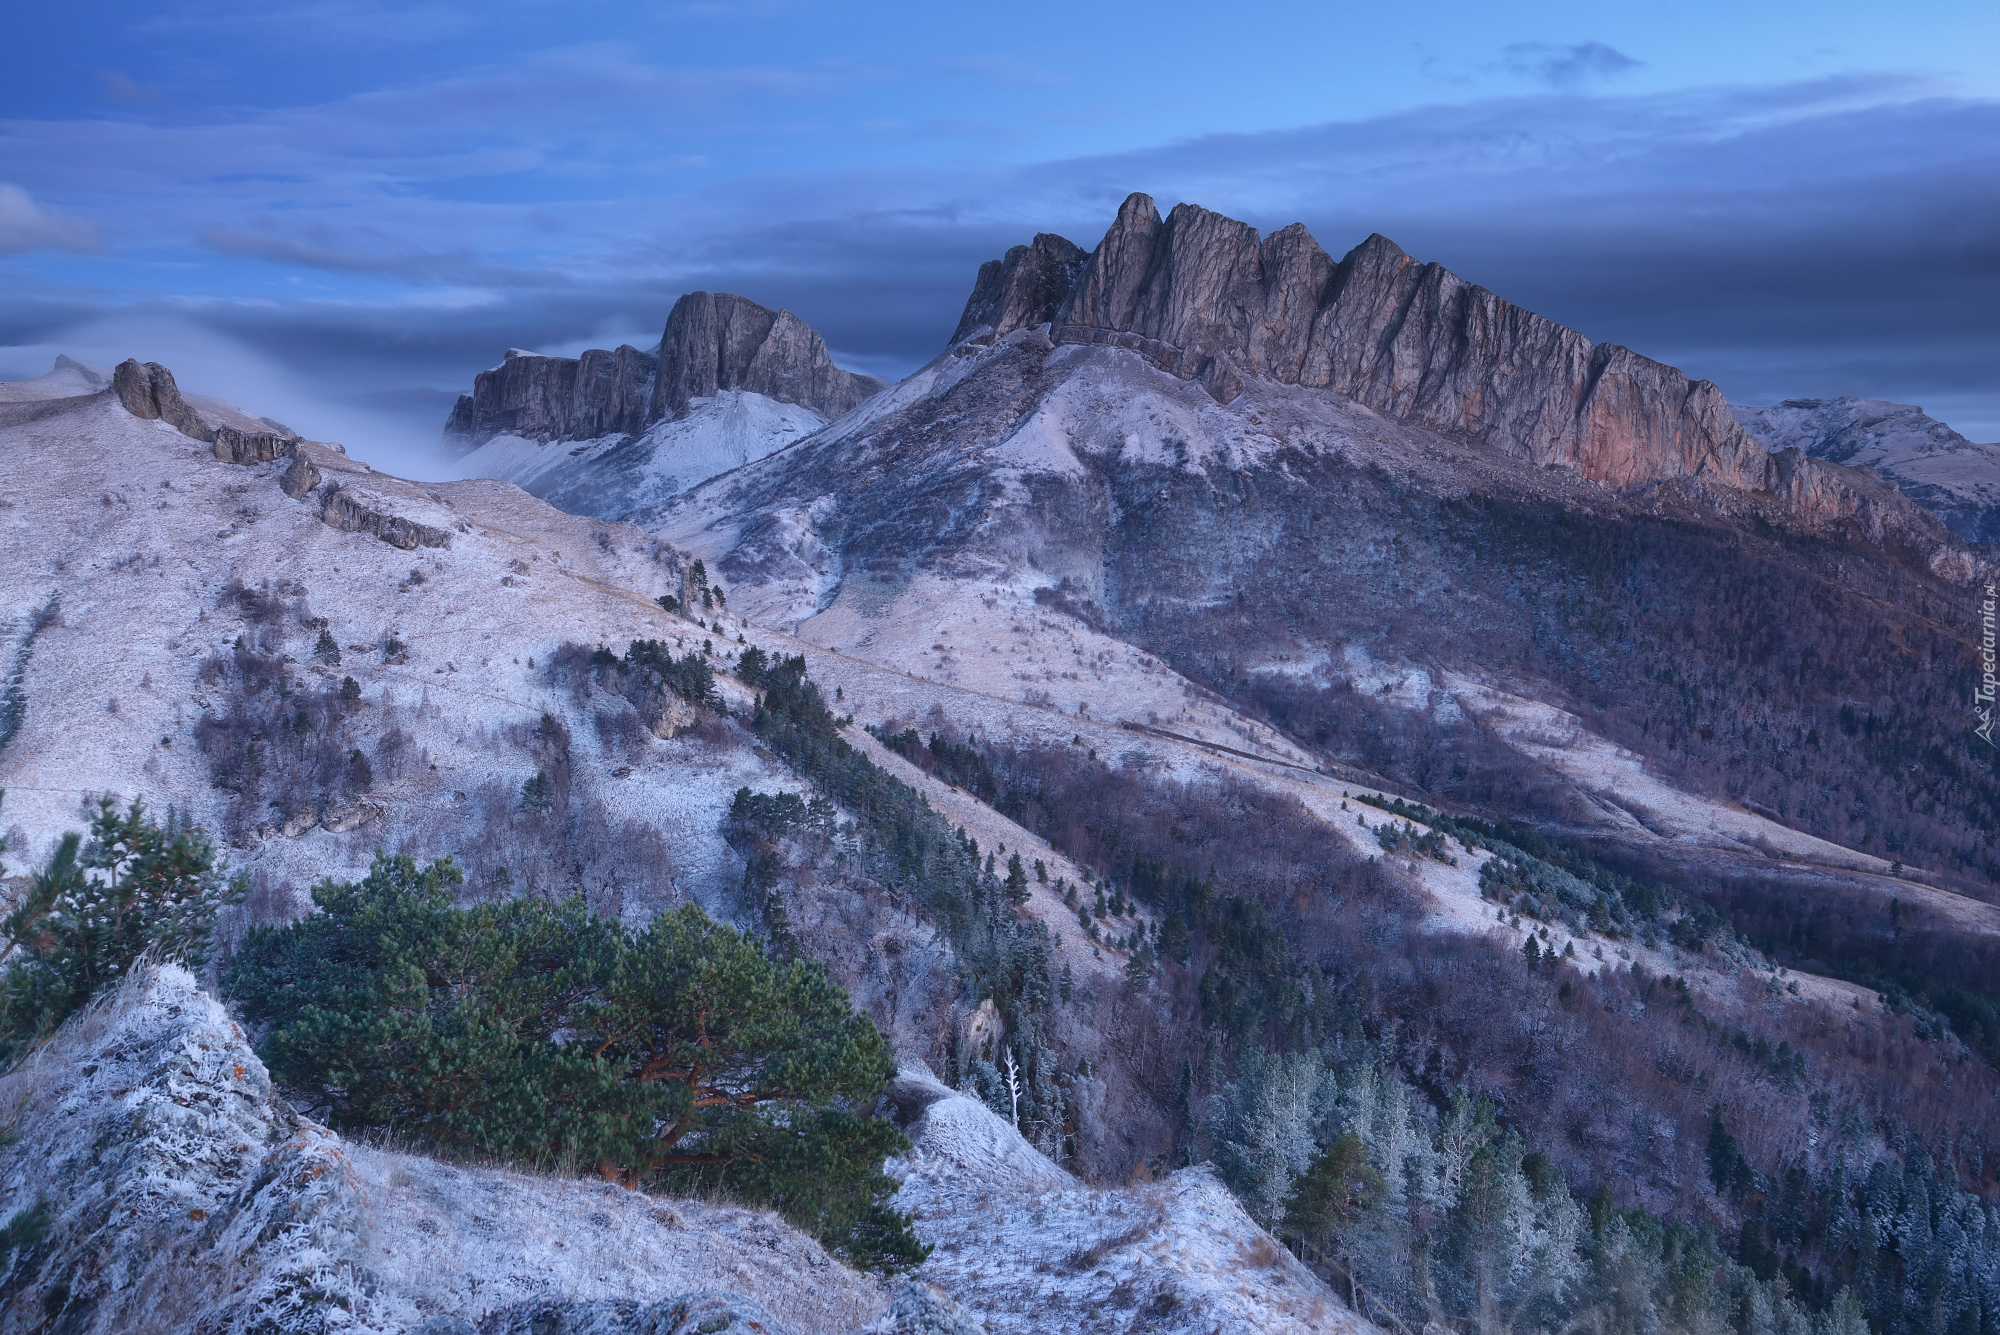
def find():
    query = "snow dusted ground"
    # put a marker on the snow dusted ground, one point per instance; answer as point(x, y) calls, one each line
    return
point(971, 644)
point(68, 379)
point(612, 476)
point(119, 536)
point(1034, 1250)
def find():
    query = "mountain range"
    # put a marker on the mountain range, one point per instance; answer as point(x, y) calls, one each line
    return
point(1276, 725)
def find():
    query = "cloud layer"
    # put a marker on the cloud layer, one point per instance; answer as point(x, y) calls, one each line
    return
point(1836, 236)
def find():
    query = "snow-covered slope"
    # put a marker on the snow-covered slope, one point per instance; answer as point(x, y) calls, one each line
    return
point(69, 378)
point(612, 476)
point(133, 561)
point(1933, 465)
point(1033, 1249)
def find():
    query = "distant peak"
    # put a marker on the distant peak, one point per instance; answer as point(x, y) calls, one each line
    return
point(712, 341)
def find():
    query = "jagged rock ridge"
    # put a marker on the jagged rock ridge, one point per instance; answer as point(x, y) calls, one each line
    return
point(1205, 298)
point(712, 342)
point(1933, 465)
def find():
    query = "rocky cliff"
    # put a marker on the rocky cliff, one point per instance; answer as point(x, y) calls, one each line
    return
point(176, 1191)
point(716, 341)
point(1205, 298)
point(1933, 465)
point(712, 342)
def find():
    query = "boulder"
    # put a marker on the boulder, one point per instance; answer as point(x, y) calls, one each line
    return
point(300, 478)
point(147, 390)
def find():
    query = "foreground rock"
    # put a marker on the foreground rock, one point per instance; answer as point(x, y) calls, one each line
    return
point(182, 1194)
point(1032, 1249)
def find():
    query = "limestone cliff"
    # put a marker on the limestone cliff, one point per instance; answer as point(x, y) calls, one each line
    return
point(712, 342)
point(1205, 298)
point(716, 341)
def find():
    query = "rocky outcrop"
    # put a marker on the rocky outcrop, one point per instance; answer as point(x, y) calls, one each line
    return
point(174, 1190)
point(716, 341)
point(1008, 1227)
point(1028, 286)
point(713, 342)
point(1205, 298)
point(1933, 465)
point(557, 398)
point(147, 390)
point(353, 511)
point(300, 478)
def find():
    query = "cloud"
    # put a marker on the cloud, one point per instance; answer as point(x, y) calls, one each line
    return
point(122, 89)
point(1566, 68)
point(1841, 236)
point(26, 225)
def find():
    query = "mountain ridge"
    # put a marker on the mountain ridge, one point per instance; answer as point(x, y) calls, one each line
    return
point(1926, 460)
point(1205, 298)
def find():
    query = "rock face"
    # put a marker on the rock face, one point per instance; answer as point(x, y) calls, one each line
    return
point(716, 341)
point(557, 398)
point(713, 342)
point(148, 391)
point(1033, 1249)
point(355, 511)
point(1028, 286)
point(1204, 298)
point(1928, 462)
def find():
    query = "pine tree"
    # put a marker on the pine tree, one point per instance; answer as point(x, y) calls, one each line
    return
point(135, 886)
point(681, 1056)
point(1017, 881)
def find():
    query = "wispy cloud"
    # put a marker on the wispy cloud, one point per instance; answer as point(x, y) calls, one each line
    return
point(26, 225)
point(1566, 68)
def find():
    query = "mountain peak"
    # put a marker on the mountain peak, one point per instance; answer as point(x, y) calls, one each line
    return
point(1204, 297)
point(713, 341)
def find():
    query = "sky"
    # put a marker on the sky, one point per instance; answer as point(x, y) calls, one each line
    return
point(335, 212)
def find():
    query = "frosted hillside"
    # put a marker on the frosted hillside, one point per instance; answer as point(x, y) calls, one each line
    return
point(1932, 464)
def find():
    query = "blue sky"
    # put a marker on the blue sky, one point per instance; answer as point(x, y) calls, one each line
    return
point(336, 212)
